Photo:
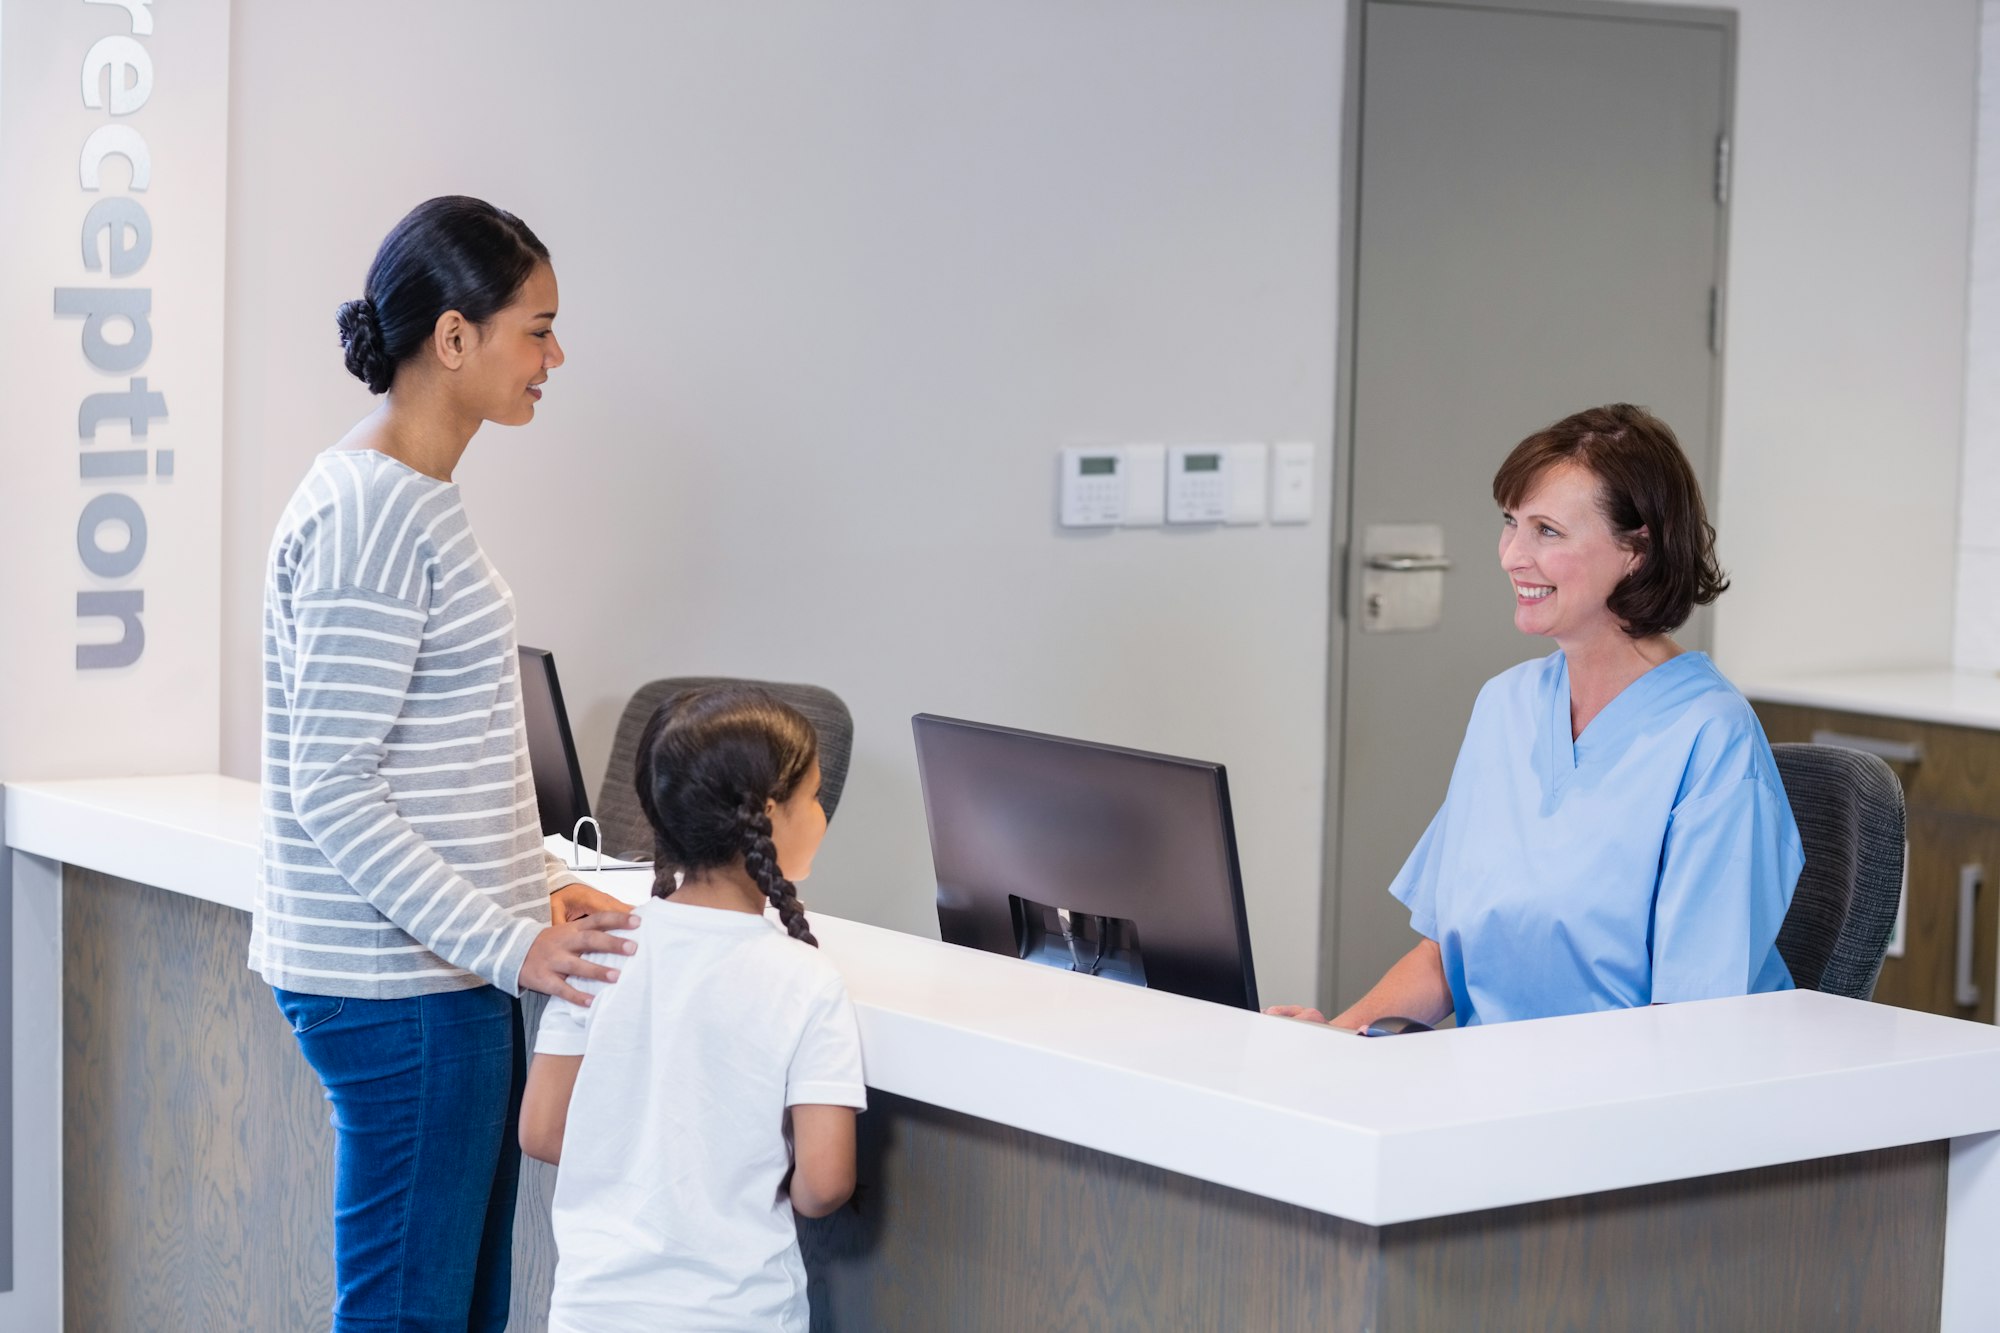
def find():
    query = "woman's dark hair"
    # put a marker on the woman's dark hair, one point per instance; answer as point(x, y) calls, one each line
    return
point(709, 761)
point(448, 253)
point(1643, 481)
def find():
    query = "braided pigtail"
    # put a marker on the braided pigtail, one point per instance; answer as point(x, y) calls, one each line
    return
point(760, 862)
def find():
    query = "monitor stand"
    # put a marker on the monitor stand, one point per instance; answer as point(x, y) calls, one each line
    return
point(1101, 946)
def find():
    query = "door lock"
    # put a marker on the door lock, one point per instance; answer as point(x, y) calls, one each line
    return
point(1402, 577)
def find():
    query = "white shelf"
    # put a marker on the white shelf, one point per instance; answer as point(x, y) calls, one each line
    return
point(1954, 698)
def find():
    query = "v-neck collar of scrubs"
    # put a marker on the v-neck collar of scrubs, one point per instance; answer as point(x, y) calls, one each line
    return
point(1567, 753)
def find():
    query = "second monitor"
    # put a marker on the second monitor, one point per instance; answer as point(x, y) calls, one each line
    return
point(1091, 857)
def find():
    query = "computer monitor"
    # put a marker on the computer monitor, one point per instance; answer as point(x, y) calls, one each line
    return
point(559, 789)
point(1089, 857)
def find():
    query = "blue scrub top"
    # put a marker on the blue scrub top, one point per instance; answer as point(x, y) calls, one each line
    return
point(1650, 861)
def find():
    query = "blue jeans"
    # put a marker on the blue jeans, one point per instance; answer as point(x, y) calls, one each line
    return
point(426, 1096)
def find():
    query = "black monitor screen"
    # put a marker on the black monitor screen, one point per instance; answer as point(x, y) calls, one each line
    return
point(559, 788)
point(1022, 824)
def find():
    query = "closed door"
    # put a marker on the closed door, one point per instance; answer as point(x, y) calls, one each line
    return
point(1538, 228)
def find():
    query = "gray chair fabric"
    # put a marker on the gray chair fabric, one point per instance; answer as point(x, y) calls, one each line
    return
point(1849, 809)
point(626, 832)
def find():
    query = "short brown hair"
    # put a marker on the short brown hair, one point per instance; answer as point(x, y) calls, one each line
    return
point(1644, 481)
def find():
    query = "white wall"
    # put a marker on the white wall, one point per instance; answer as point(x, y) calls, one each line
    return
point(837, 282)
point(1978, 644)
point(839, 279)
point(1845, 335)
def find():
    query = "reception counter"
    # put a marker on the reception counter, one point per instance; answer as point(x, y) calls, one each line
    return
point(1051, 1150)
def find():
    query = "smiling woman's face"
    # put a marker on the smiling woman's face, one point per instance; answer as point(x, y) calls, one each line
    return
point(1563, 559)
point(514, 353)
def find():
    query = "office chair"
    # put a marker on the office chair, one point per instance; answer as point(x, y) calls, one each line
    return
point(1849, 809)
point(626, 832)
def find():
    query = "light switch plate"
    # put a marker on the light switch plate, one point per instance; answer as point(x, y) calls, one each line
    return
point(1145, 486)
point(1249, 484)
point(1292, 482)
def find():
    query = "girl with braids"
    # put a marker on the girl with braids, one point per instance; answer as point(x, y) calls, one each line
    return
point(710, 1093)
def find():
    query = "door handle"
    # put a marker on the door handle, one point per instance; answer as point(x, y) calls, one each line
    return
point(1402, 577)
point(1965, 991)
point(1408, 564)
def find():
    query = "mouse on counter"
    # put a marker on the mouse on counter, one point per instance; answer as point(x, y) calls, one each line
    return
point(1391, 1025)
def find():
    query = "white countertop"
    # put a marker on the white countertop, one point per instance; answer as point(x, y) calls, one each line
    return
point(1955, 698)
point(194, 833)
point(1374, 1131)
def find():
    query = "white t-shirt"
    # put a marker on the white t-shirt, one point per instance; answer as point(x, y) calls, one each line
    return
point(668, 1212)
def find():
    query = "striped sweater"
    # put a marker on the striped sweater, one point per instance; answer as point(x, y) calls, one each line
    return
point(402, 851)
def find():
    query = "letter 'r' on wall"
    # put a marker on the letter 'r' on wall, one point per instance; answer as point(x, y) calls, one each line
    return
point(118, 74)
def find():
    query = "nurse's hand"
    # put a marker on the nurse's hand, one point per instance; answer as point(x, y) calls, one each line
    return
point(574, 900)
point(1303, 1012)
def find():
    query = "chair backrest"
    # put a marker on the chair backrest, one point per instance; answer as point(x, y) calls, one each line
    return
point(1849, 809)
point(626, 832)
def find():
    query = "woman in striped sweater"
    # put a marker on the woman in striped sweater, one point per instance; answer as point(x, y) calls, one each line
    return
point(406, 899)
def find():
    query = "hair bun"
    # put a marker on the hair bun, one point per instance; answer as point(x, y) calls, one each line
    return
point(361, 336)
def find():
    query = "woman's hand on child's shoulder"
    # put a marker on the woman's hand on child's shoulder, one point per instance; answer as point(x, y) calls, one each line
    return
point(557, 956)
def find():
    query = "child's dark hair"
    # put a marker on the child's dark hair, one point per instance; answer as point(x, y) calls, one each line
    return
point(710, 760)
point(448, 253)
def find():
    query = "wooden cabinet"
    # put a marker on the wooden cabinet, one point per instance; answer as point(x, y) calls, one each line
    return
point(1951, 786)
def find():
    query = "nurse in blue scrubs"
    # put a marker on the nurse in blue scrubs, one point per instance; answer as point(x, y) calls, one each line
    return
point(1615, 833)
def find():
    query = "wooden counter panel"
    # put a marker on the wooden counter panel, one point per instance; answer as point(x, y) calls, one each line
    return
point(967, 1225)
point(197, 1157)
point(1845, 1243)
